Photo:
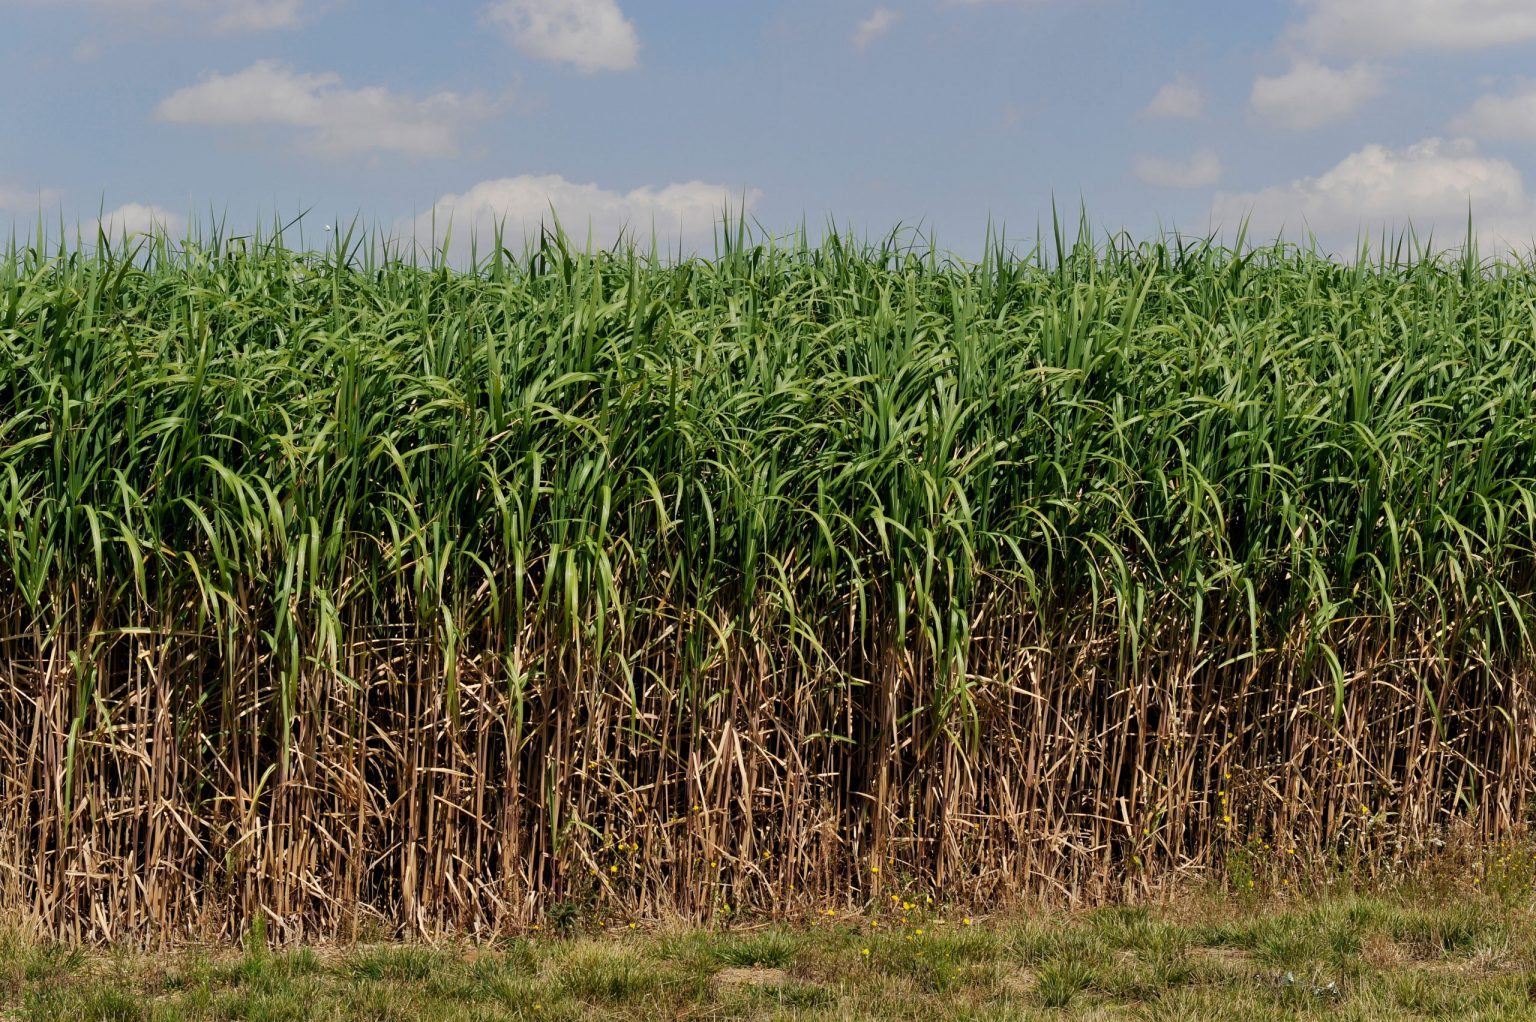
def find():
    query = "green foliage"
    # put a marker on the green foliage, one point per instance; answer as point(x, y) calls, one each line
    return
point(340, 579)
point(1061, 980)
point(770, 949)
point(616, 976)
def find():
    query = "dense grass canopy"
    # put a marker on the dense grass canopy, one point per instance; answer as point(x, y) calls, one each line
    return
point(333, 583)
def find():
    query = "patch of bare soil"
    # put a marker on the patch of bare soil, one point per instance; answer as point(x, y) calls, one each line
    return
point(1381, 953)
point(1017, 982)
point(1228, 957)
point(727, 979)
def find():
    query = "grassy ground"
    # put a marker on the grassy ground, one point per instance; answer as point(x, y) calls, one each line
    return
point(1354, 958)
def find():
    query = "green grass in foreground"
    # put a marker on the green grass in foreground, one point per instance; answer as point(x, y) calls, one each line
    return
point(1358, 958)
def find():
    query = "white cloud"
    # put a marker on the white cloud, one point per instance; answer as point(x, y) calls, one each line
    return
point(334, 119)
point(873, 27)
point(136, 218)
point(1312, 94)
point(590, 35)
point(1179, 98)
point(1429, 184)
point(1394, 26)
point(1502, 117)
point(1201, 169)
point(685, 212)
point(24, 200)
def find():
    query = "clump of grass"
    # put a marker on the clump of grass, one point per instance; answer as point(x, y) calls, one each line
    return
point(94, 1002)
point(398, 964)
point(607, 975)
point(25, 961)
point(1456, 933)
point(932, 964)
point(770, 949)
point(1061, 980)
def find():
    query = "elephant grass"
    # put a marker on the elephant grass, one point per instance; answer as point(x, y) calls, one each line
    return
point(348, 590)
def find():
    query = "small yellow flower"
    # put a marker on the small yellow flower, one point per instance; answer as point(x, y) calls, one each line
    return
point(966, 921)
point(1226, 819)
point(919, 931)
point(865, 952)
point(614, 868)
point(874, 869)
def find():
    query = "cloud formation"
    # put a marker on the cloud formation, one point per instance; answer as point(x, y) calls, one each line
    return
point(590, 35)
point(1510, 117)
point(27, 200)
point(1381, 27)
point(685, 212)
point(879, 22)
point(1312, 94)
point(1430, 185)
point(331, 119)
point(1201, 169)
point(133, 218)
point(1180, 98)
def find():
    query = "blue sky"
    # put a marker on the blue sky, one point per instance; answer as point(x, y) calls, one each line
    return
point(1336, 115)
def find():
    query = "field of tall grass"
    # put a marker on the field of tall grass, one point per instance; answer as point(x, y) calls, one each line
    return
point(351, 591)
